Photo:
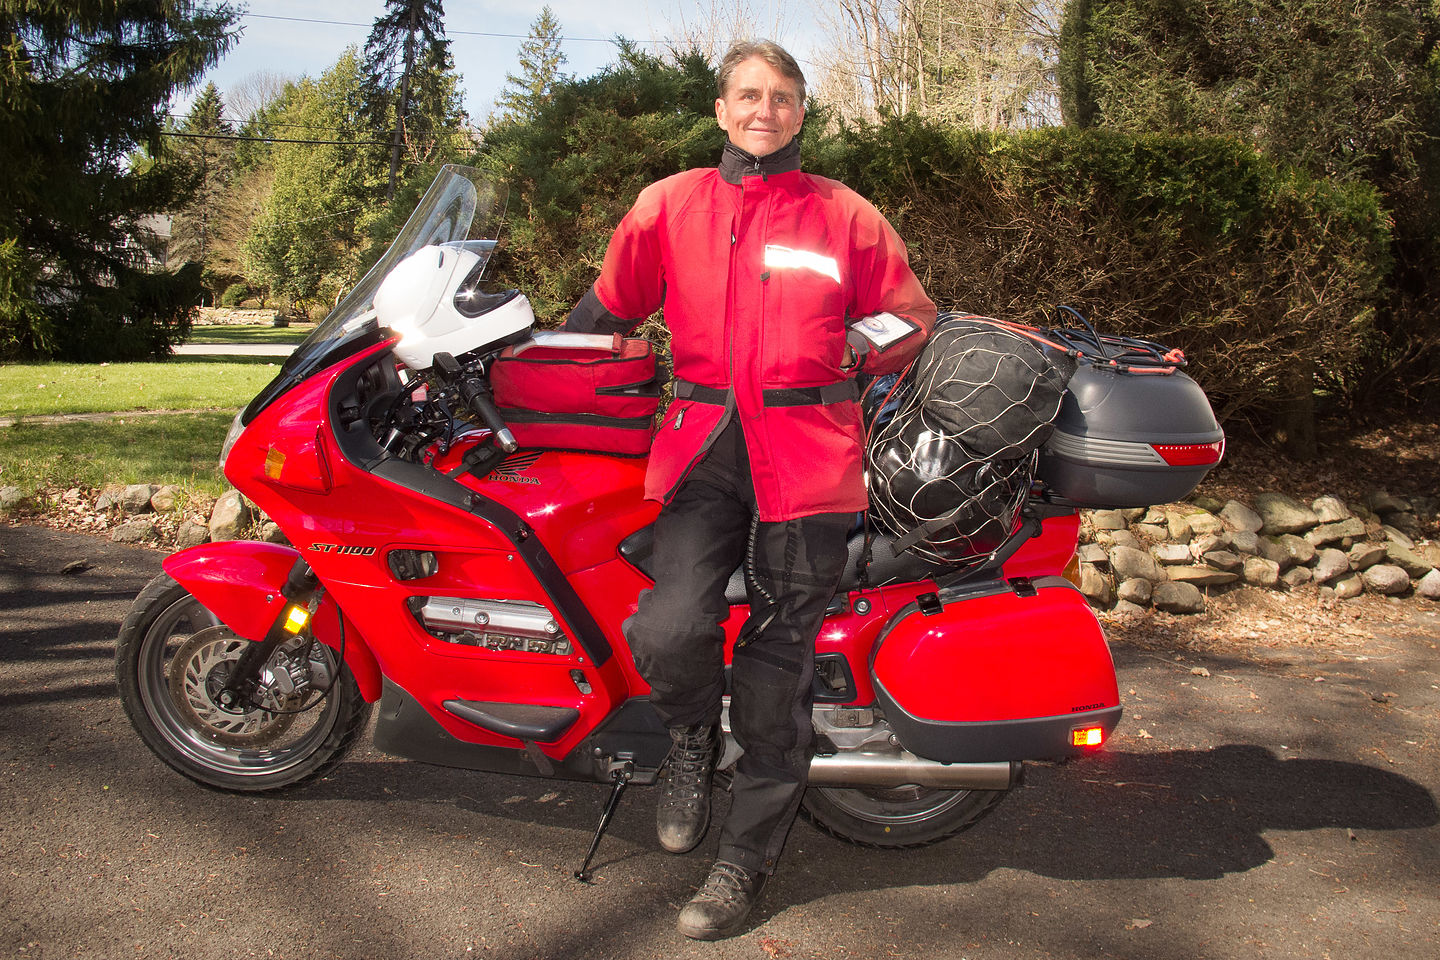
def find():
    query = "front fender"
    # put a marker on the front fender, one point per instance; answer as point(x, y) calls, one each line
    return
point(239, 581)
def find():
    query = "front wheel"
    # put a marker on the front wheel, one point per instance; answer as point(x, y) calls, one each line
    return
point(896, 818)
point(173, 659)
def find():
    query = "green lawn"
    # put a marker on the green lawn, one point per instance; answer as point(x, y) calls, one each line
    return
point(249, 333)
point(181, 448)
point(181, 383)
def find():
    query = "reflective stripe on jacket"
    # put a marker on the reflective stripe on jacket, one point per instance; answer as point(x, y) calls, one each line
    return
point(758, 281)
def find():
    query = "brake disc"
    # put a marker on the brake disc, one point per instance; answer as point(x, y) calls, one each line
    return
point(198, 673)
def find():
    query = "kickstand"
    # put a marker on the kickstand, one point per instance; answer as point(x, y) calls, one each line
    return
point(620, 772)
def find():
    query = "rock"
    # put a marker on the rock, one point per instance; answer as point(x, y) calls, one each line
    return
point(1137, 591)
point(1302, 551)
point(191, 534)
point(1178, 598)
point(1330, 510)
point(1426, 508)
point(1123, 538)
point(1274, 550)
point(1296, 576)
point(134, 531)
point(1129, 563)
point(1397, 536)
point(1095, 587)
point(1152, 532)
point(1201, 576)
point(270, 532)
point(1383, 501)
point(1281, 514)
point(1179, 528)
point(1203, 523)
point(166, 499)
point(1126, 610)
point(11, 499)
point(1406, 523)
point(1338, 532)
point(109, 497)
point(1155, 516)
point(136, 497)
point(1171, 554)
point(1260, 572)
point(1348, 588)
point(1133, 514)
point(1386, 579)
point(1243, 541)
point(1429, 586)
point(230, 517)
point(1330, 564)
point(1107, 519)
point(1208, 504)
point(1366, 554)
point(1408, 560)
point(1093, 553)
point(1203, 545)
point(1430, 553)
point(1222, 560)
point(1241, 517)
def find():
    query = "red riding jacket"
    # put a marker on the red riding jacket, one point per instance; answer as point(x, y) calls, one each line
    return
point(760, 269)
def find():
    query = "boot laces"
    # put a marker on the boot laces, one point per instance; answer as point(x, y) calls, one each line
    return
point(727, 883)
point(689, 764)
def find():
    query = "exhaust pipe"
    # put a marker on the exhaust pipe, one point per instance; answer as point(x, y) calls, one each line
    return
point(889, 770)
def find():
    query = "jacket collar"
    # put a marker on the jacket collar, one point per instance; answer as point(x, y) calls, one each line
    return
point(736, 163)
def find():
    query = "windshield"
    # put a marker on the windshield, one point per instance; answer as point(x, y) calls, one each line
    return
point(462, 207)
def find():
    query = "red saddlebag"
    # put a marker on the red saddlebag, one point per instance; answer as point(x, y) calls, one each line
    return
point(999, 670)
point(566, 391)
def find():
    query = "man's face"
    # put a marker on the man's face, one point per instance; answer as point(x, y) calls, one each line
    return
point(761, 111)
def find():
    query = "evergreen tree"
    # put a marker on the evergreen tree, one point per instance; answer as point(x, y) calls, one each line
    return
point(203, 144)
point(407, 39)
point(540, 63)
point(83, 84)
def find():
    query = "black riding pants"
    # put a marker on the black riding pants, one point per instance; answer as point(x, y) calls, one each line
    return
point(701, 537)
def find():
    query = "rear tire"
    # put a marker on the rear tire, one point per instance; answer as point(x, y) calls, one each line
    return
point(896, 818)
point(173, 655)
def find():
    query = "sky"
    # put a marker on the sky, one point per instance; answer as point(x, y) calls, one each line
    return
point(303, 37)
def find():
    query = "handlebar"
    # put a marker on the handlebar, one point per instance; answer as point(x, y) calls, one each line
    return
point(475, 392)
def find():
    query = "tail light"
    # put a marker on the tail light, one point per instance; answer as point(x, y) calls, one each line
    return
point(1190, 454)
point(1087, 736)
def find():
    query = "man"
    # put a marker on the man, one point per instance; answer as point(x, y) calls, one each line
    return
point(777, 287)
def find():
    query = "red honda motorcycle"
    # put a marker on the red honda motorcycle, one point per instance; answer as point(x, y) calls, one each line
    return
point(475, 587)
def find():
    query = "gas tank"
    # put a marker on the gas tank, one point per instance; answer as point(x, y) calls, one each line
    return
point(580, 505)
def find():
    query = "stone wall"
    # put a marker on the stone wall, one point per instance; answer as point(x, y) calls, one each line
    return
point(1168, 557)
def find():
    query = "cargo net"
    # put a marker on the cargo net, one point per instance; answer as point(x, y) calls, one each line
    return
point(953, 442)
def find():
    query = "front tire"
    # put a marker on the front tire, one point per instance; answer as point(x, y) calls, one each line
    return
point(173, 657)
point(896, 818)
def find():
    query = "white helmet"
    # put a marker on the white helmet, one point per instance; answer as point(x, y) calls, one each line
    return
point(433, 300)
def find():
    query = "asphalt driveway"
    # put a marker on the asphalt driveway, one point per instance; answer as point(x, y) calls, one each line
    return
point(1279, 803)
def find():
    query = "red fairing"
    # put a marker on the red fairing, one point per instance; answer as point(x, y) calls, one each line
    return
point(239, 581)
point(1050, 553)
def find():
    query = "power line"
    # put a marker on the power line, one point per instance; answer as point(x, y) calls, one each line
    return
point(448, 32)
point(331, 143)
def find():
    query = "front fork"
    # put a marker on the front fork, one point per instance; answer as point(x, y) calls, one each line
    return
point(302, 595)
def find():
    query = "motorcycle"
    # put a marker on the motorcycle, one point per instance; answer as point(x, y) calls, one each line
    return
point(475, 589)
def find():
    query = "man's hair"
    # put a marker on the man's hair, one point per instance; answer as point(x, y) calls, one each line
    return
point(767, 50)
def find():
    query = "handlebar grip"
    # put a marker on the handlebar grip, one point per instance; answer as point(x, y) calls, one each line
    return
point(477, 397)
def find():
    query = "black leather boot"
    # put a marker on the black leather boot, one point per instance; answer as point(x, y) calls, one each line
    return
point(684, 810)
point(720, 908)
